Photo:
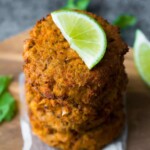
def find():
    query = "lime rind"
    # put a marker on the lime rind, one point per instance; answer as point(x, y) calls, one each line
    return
point(82, 42)
point(142, 56)
point(140, 39)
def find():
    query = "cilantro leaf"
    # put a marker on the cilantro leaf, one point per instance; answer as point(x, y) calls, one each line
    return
point(83, 4)
point(77, 4)
point(124, 21)
point(4, 82)
point(7, 102)
point(7, 106)
point(70, 5)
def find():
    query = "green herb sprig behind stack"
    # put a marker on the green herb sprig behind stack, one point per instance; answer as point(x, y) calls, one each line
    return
point(77, 4)
point(125, 20)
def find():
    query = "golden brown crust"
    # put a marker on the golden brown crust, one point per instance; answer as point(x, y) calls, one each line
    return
point(57, 72)
point(63, 116)
point(97, 138)
point(93, 139)
point(70, 105)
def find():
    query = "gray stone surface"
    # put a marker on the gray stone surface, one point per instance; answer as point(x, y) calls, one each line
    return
point(19, 15)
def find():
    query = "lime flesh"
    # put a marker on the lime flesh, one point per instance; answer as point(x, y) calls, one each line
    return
point(83, 34)
point(142, 56)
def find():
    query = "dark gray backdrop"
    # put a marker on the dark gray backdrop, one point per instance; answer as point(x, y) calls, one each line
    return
point(19, 15)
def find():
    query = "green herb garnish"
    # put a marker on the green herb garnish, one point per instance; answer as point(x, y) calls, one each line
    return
point(77, 4)
point(124, 21)
point(4, 82)
point(7, 102)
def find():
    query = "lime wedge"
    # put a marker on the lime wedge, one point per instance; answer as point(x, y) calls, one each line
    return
point(83, 34)
point(142, 56)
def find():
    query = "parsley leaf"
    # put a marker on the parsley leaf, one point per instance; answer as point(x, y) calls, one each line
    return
point(4, 82)
point(83, 4)
point(7, 106)
point(77, 4)
point(70, 5)
point(7, 102)
point(124, 21)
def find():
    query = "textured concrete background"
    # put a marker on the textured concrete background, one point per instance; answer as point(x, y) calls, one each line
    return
point(19, 15)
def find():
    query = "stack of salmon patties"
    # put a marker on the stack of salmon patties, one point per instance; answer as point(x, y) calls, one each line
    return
point(71, 107)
